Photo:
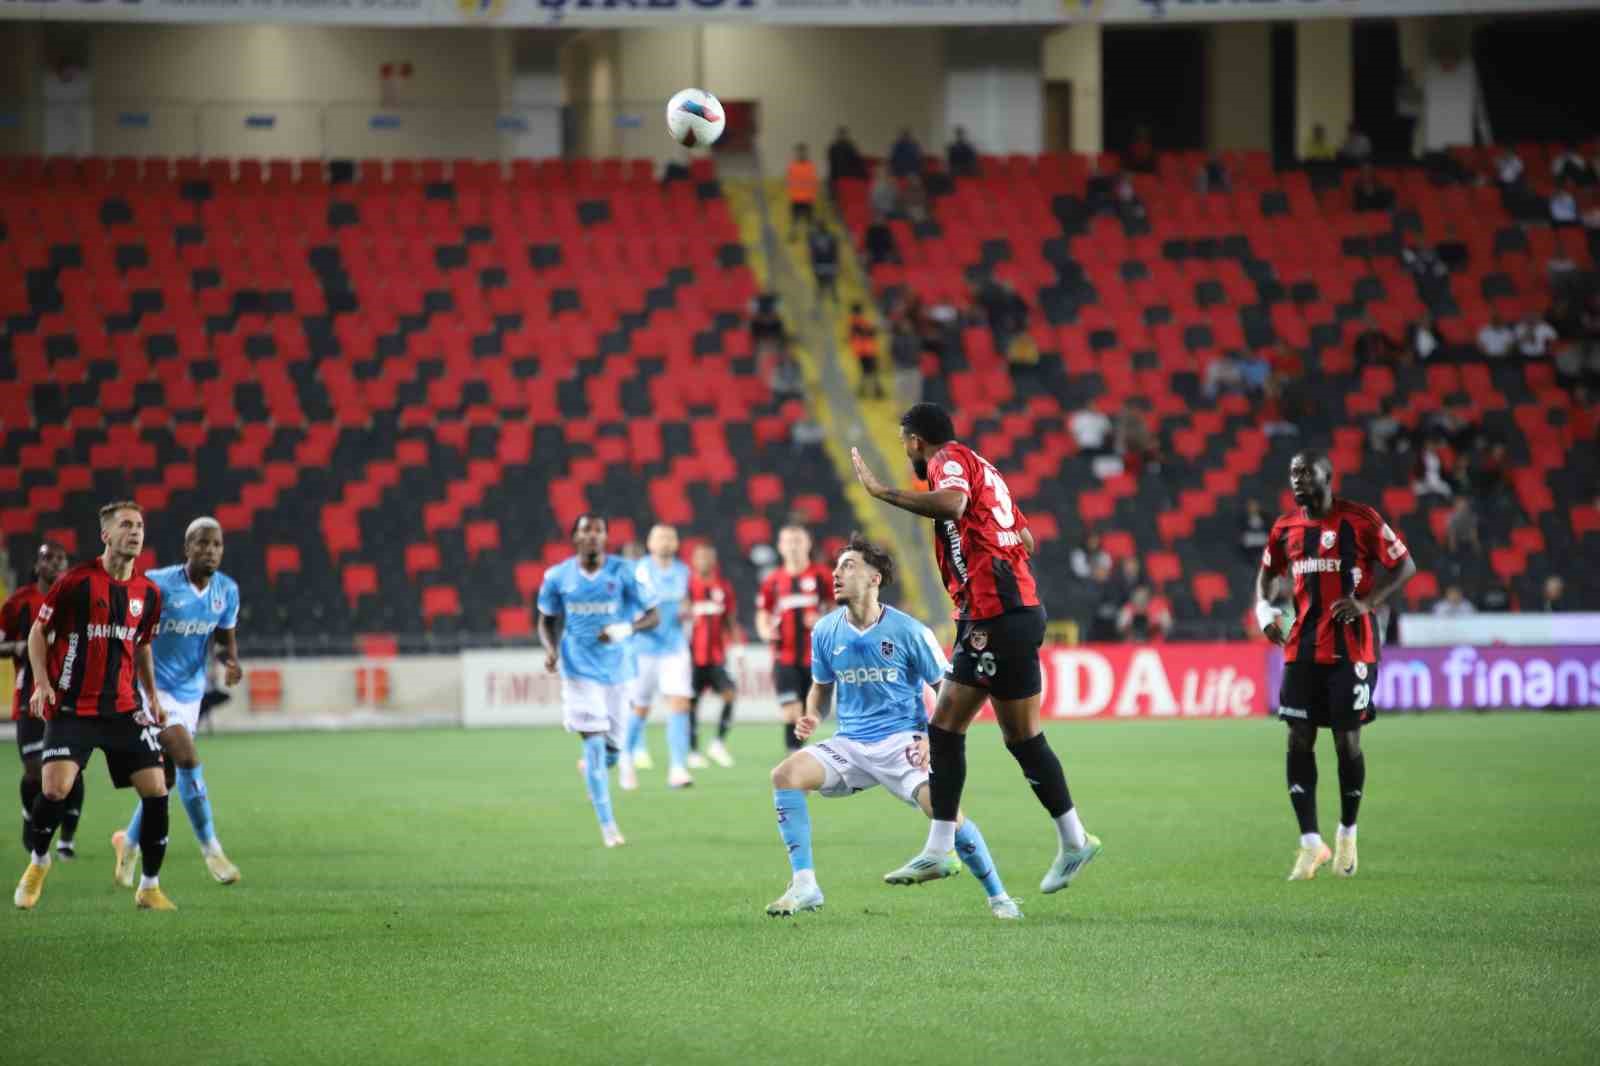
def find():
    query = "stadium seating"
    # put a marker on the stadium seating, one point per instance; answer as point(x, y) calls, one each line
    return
point(1130, 310)
point(396, 392)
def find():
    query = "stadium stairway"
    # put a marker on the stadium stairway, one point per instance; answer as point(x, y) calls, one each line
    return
point(843, 417)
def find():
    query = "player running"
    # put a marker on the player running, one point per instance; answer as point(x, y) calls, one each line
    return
point(787, 606)
point(662, 653)
point(16, 619)
point(589, 607)
point(982, 543)
point(200, 605)
point(716, 617)
point(103, 617)
point(878, 658)
point(1346, 563)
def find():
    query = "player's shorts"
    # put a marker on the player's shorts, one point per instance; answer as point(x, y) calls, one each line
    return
point(1001, 654)
point(792, 684)
point(667, 675)
point(710, 679)
point(591, 707)
point(1328, 695)
point(129, 746)
point(180, 712)
point(850, 766)
point(802, 209)
point(30, 737)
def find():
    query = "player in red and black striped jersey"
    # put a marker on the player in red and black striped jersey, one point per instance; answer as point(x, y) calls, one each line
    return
point(787, 606)
point(983, 545)
point(16, 619)
point(1345, 562)
point(715, 616)
point(87, 680)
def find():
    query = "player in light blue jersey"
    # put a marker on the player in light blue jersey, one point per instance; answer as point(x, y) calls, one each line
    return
point(589, 609)
point(664, 665)
point(878, 659)
point(199, 618)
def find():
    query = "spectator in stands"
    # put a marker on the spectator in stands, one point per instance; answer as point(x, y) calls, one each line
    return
point(1385, 434)
point(864, 345)
point(879, 241)
point(1373, 346)
point(1369, 194)
point(1428, 473)
point(1491, 475)
point(1455, 604)
point(1570, 166)
point(1144, 616)
point(824, 250)
point(961, 156)
point(1496, 339)
point(1110, 596)
point(1461, 528)
point(1422, 338)
point(1224, 373)
point(1508, 168)
point(1091, 429)
point(803, 188)
point(1534, 336)
point(1317, 149)
point(1423, 261)
point(1408, 100)
point(844, 160)
point(1452, 251)
point(1554, 596)
point(905, 157)
point(914, 199)
point(885, 196)
point(1101, 190)
point(1003, 310)
point(1212, 176)
point(1133, 440)
point(1253, 529)
point(1282, 407)
point(1563, 206)
point(767, 336)
point(905, 352)
point(1088, 557)
point(1357, 146)
point(1141, 156)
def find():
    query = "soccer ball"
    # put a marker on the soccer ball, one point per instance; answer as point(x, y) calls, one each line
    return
point(695, 118)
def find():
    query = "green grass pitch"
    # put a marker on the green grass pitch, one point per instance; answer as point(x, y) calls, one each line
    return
point(442, 897)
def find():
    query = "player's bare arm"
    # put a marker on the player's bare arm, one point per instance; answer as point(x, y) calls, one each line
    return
point(1264, 579)
point(44, 693)
point(948, 504)
point(550, 637)
point(1386, 584)
point(144, 663)
point(228, 656)
point(1027, 540)
point(817, 702)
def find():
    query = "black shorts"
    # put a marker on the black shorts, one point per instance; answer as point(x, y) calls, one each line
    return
point(30, 738)
point(792, 684)
point(129, 746)
point(710, 679)
point(799, 209)
point(1328, 695)
point(1001, 654)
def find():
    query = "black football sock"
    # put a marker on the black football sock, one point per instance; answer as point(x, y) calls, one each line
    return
point(30, 792)
point(1302, 766)
point(1352, 779)
point(947, 770)
point(1043, 771)
point(46, 816)
point(694, 725)
point(790, 741)
point(74, 811)
point(725, 723)
point(153, 833)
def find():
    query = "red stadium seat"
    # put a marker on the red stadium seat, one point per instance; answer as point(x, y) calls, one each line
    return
point(482, 537)
point(359, 579)
point(1210, 589)
point(513, 622)
point(1163, 567)
point(440, 601)
point(421, 559)
point(282, 559)
point(1421, 590)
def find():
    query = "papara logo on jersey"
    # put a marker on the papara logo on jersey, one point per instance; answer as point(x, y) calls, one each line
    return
point(1315, 566)
point(190, 627)
point(603, 607)
point(862, 675)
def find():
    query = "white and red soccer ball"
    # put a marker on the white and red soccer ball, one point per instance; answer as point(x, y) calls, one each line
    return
point(695, 118)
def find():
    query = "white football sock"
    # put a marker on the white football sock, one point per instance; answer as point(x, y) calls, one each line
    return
point(805, 879)
point(1347, 832)
point(941, 838)
point(1310, 840)
point(148, 882)
point(41, 860)
point(1071, 830)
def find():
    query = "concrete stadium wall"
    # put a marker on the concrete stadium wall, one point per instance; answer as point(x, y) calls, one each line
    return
point(1322, 79)
point(1073, 54)
point(1239, 86)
